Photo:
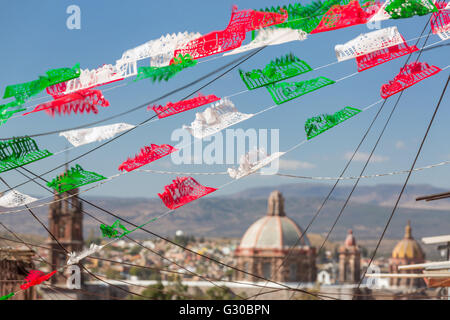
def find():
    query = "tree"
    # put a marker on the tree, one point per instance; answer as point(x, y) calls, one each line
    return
point(113, 274)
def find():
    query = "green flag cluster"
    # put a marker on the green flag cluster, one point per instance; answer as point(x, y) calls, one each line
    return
point(316, 125)
point(23, 91)
point(74, 178)
point(19, 152)
point(280, 69)
point(167, 72)
point(285, 91)
point(408, 8)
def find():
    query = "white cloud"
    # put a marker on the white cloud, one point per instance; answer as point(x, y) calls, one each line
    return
point(400, 144)
point(363, 156)
point(294, 164)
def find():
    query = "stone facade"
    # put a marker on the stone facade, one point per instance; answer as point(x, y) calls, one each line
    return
point(14, 267)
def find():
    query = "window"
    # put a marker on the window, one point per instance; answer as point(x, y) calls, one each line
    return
point(292, 272)
point(267, 270)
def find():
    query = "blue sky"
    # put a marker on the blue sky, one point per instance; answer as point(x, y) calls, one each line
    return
point(35, 39)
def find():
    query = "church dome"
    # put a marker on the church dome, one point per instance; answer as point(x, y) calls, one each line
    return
point(408, 248)
point(275, 230)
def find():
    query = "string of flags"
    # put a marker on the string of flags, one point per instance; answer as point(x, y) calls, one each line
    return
point(72, 91)
point(170, 54)
point(440, 21)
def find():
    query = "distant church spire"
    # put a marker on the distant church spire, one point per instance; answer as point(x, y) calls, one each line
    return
point(275, 205)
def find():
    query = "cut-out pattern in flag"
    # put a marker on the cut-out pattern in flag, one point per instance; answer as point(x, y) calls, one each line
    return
point(277, 70)
point(368, 42)
point(342, 16)
point(18, 152)
point(219, 116)
point(167, 72)
point(398, 9)
point(271, 37)
point(408, 76)
point(319, 124)
point(183, 190)
point(80, 137)
point(184, 105)
point(74, 258)
point(440, 21)
point(112, 231)
point(306, 17)
point(159, 51)
point(36, 277)
point(24, 91)
point(78, 102)
point(73, 178)
point(378, 57)
point(232, 37)
point(252, 162)
point(147, 155)
point(285, 91)
point(14, 198)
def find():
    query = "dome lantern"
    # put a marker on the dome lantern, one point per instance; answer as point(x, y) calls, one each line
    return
point(275, 204)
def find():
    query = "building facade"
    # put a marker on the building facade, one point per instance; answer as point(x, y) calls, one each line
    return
point(14, 267)
point(275, 248)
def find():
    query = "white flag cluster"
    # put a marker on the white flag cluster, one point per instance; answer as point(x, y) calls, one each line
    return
point(219, 116)
point(252, 162)
point(14, 199)
point(368, 42)
point(84, 136)
point(270, 37)
point(159, 51)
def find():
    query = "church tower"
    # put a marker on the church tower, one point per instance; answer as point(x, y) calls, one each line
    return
point(349, 260)
point(65, 219)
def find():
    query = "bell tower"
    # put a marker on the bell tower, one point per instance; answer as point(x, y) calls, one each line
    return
point(65, 219)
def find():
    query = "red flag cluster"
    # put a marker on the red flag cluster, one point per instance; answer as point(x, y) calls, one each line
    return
point(183, 190)
point(231, 38)
point(147, 155)
point(80, 101)
point(409, 75)
point(184, 105)
point(36, 277)
point(342, 16)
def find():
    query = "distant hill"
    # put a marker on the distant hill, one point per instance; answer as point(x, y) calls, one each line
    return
point(230, 216)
